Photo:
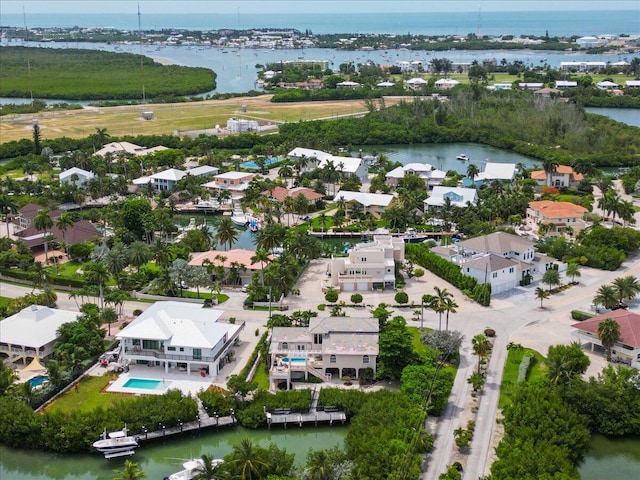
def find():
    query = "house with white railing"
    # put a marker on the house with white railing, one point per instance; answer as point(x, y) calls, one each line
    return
point(179, 337)
point(329, 348)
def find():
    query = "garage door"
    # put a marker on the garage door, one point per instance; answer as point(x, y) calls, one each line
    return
point(363, 286)
point(348, 287)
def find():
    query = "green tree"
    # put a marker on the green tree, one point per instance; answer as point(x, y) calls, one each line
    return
point(138, 253)
point(226, 233)
point(607, 296)
point(97, 274)
point(573, 270)
point(382, 314)
point(43, 223)
point(565, 363)
point(626, 288)
point(542, 294)
point(609, 334)
point(108, 315)
point(64, 221)
point(209, 468)
point(247, 461)
point(472, 172)
point(551, 277)
point(396, 348)
point(481, 347)
point(131, 471)
point(8, 206)
point(262, 257)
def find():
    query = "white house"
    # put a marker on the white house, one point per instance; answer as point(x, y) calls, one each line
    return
point(368, 265)
point(560, 84)
point(632, 84)
point(346, 165)
point(75, 176)
point(457, 195)
point(607, 85)
point(627, 348)
point(116, 148)
point(385, 85)
point(446, 83)
point(502, 273)
point(167, 179)
point(234, 182)
point(373, 203)
point(330, 347)
point(416, 83)
point(32, 332)
point(348, 84)
point(425, 171)
point(179, 336)
point(582, 66)
point(315, 157)
point(590, 42)
point(493, 171)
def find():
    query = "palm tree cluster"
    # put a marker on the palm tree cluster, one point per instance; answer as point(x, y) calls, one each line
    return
point(441, 302)
point(621, 290)
point(612, 205)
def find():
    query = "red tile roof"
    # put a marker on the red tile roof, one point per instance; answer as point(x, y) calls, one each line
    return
point(558, 209)
point(629, 326)
point(280, 193)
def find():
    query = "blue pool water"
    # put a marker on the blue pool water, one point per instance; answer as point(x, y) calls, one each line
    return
point(36, 381)
point(253, 166)
point(293, 360)
point(143, 383)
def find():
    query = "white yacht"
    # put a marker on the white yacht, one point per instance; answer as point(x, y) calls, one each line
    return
point(116, 444)
point(462, 157)
point(190, 469)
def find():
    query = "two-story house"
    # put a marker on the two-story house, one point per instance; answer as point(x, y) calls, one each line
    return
point(561, 217)
point(75, 176)
point(368, 266)
point(457, 196)
point(373, 203)
point(234, 182)
point(179, 336)
point(330, 347)
point(562, 176)
point(427, 173)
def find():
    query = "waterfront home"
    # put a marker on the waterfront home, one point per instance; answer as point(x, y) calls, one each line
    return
point(237, 258)
point(607, 85)
point(561, 217)
point(346, 166)
point(429, 175)
point(582, 66)
point(373, 203)
point(32, 333)
point(309, 156)
point(504, 172)
point(234, 182)
point(28, 212)
point(329, 348)
point(632, 84)
point(458, 196)
point(562, 176)
point(446, 83)
point(75, 176)
point(627, 348)
point(179, 337)
point(367, 265)
point(167, 179)
point(535, 86)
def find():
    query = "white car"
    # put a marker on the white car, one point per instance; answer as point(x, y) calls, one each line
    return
point(244, 288)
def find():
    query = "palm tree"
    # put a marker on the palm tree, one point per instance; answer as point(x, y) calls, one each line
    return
point(472, 172)
point(481, 347)
point(606, 296)
point(108, 315)
point(271, 236)
point(43, 223)
point(542, 294)
point(285, 172)
point(98, 274)
point(65, 220)
point(116, 259)
point(261, 256)
point(131, 471)
point(138, 254)
point(626, 288)
point(208, 470)
point(449, 306)
point(549, 166)
point(322, 218)
point(161, 253)
point(440, 305)
point(7, 207)
point(609, 334)
point(551, 277)
point(226, 233)
point(247, 462)
point(573, 270)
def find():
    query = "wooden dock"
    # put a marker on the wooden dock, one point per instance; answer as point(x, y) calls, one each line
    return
point(282, 416)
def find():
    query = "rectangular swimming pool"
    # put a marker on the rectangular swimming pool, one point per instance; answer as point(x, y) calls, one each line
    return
point(144, 384)
point(294, 360)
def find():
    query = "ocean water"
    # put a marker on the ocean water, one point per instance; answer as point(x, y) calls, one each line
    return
point(560, 23)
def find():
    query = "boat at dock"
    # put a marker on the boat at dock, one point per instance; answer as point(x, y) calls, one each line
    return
point(242, 219)
point(116, 444)
point(412, 236)
point(462, 157)
point(191, 469)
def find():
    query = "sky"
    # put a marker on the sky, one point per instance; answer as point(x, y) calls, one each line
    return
point(304, 6)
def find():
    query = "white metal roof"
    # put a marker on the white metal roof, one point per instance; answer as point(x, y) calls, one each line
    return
point(203, 170)
point(299, 152)
point(498, 171)
point(34, 326)
point(172, 174)
point(342, 164)
point(366, 199)
point(234, 175)
point(416, 81)
point(463, 195)
point(75, 170)
point(179, 324)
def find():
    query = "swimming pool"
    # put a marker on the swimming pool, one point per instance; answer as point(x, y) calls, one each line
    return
point(38, 380)
point(144, 384)
point(251, 165)
point(293, 360)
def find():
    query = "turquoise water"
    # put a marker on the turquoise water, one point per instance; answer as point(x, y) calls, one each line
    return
point(253, 166)
point(160, 459)
point(36, 381)
point(143, 383)
point(293, 360)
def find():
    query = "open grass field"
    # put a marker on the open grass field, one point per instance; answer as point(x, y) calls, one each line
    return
point(171, 117)
point(510, 375)
point(88, 396)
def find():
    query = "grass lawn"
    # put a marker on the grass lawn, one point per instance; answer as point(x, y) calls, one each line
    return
point(418, 346)
point(262, 377)
point(510, 374)
point(88, 396)
point(67, 269)
point(4, 301)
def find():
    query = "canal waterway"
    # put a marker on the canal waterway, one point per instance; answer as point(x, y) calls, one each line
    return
point(612, 458)
point(630, 116)
point(158, 460)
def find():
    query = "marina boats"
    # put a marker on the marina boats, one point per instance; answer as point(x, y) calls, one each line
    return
point(462, 157)
point(207, 206)
point(116, 444)
point(242, 219)
point(191, 469)
point(412, 236)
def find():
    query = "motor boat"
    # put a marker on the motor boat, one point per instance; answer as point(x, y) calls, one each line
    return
point(207, 205)
point(116, 444)
point(243, 219)
point(191, 468)
point(412, 236)
point(462, 157)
